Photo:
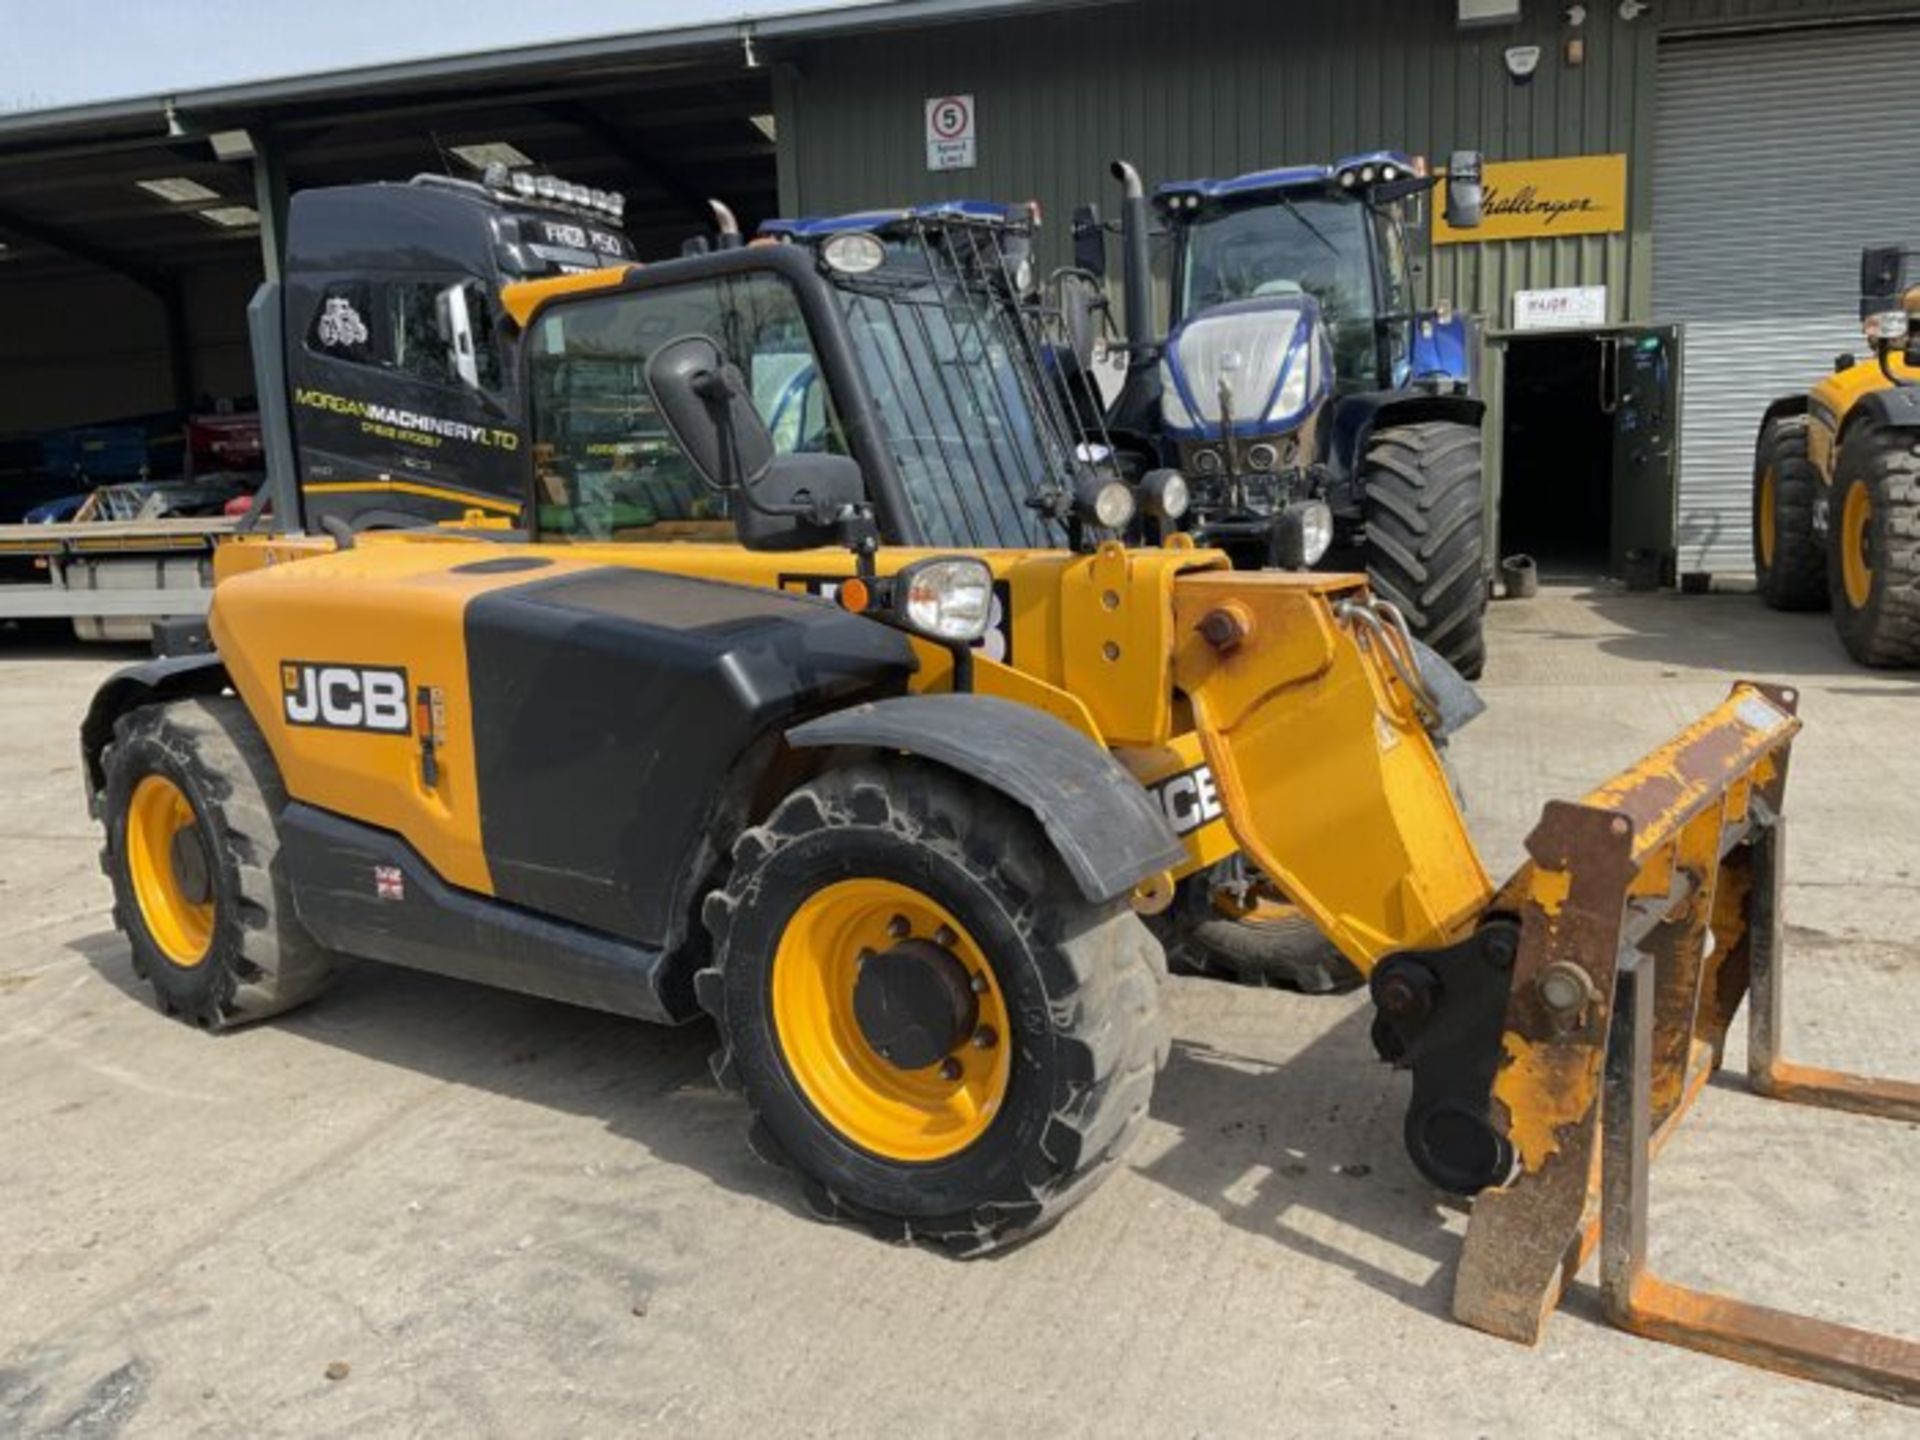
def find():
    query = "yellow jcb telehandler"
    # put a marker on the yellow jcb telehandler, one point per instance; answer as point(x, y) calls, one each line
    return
point(1836, 481)
point(893, 813)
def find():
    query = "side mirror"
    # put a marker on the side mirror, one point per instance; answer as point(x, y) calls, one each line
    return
point(1080, 300)
point(1464, 196)
point(783, 502)
point(1089, 241)
point(703, 400)
point(786, 509)
point(1883, 279)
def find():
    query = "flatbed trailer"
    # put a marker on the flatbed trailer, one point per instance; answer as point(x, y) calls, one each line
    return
point(111, 578)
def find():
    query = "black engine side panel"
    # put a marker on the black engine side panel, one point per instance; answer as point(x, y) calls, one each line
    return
point(610, 709)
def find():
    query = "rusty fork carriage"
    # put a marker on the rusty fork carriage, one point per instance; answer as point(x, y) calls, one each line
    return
point(1648, 912)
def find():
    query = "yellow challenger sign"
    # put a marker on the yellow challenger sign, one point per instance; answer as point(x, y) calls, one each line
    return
point(1540, 199)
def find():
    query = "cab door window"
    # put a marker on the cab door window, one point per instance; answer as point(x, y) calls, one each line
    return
point(440, 331)
point(443, 333)
point(604, 465)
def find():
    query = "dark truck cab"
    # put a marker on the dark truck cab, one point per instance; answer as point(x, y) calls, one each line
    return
point(401, 366)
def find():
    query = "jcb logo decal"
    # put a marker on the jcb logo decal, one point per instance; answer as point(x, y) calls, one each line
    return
point(1189, 799)
point(346, 697)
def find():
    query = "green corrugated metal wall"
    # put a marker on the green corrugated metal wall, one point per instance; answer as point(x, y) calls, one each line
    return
point(1217, 87)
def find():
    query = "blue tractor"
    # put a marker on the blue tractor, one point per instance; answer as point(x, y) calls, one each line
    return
point(1320, 417)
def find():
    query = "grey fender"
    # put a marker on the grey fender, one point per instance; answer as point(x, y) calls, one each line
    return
point(1894, 409)
point(1783, 408)
point(1106, 828)
point(133, 687)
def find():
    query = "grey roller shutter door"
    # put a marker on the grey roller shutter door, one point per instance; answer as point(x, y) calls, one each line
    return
point(1776, 158)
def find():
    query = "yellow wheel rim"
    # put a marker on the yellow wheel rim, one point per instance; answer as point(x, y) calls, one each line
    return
point(1856, 527)
point(913, 1116)
point(1769, 535)
point(178, 909)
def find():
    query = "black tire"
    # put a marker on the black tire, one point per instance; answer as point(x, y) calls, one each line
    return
point(1287, 953)
point(1885, 465)
point(1794, 577)
point(1426, 550)
point(1081, 982)
point(260, 960)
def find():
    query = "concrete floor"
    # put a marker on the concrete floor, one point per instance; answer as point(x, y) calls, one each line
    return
point(504, 1216)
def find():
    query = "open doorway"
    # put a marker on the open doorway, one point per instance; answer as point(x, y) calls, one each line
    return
point(1556, 500)
point(1586, 445)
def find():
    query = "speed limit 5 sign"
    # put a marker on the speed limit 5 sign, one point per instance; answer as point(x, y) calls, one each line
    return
point(950, 132)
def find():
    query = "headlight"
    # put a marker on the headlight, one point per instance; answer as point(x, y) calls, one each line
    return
point(1303, 532)
point(948, 599)
point(1104, 501)
point(854, 253)
point(1164, 494)
point(1293, 390)
point(1887, 325)
point(1316, 529)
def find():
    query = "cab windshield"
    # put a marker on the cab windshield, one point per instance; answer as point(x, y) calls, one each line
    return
point(956, 379)
point(1283, 245)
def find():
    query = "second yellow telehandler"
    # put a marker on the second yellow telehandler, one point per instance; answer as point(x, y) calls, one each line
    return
point(1836, 481)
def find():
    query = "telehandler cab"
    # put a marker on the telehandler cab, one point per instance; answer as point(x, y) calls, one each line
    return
point(1836, 480)
point(891, 812)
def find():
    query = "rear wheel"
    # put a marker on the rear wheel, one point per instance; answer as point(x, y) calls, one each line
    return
point(1873, 547)
point(930, 1024)
point(1789, 562)
point(193, 853)
point(1425, 548)
point(1223, 927)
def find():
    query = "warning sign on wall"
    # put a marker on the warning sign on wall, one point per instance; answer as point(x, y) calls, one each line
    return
point(950, 132)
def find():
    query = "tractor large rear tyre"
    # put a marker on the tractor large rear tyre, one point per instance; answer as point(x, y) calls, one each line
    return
point(1426, 548)
point(1046, 1070)
point(193, 850)
point(1873, 546)
point(1789, 561)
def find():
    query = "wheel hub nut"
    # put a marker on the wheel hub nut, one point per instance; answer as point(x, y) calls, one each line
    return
point(914, 1004)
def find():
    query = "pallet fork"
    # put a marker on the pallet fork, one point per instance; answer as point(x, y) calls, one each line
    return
point(1648, 912)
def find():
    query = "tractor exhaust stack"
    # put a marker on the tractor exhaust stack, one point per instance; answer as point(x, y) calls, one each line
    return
point(1136, 265)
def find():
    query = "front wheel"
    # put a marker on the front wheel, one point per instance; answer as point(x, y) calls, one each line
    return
point(1789, 562)
point(930, 1024)
point(1873, 547)
point(1426, 550)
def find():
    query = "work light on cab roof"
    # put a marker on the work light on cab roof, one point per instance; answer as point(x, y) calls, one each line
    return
point(525, 185)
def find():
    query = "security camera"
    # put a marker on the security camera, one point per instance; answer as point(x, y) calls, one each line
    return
point(1522, 61)
point(1576, 16)
point(1633, 9)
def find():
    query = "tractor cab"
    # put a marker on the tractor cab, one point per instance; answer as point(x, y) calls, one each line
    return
point(1293, 350)
point(400, 357)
